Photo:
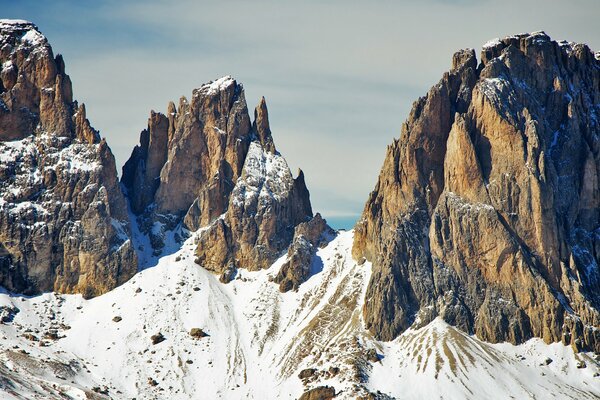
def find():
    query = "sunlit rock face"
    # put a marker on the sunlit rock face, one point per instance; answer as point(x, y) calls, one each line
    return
point(486, 211)
point(207, 166)
point(63, 219)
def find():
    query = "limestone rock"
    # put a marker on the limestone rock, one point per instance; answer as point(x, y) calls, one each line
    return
point(35, 92)
point(308, 237)
point(212, 170)
point(265, 206)
point(63, 219)
point(187, 162)
point(197, 333)
point(486, 210)
point(319, 393)
point(261, 126)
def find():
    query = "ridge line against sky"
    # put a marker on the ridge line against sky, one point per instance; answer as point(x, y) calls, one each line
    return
point(339, 77)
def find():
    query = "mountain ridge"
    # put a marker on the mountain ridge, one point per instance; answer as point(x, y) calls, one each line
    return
point(474, 196)
point(210, 274)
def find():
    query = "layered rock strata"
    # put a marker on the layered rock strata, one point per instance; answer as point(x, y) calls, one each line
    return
point(63, 220)
point(486, 211)
point(207, 166)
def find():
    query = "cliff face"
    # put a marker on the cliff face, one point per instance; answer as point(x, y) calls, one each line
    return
point(63, 219)
point(207, 166)
point(486, 211)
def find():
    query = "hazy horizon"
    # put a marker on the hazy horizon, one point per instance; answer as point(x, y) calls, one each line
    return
point(339, 78)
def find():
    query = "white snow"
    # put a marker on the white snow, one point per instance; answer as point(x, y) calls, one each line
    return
point(492, 43)
point(265, 177)
point(12, 22)
point(260, 339)
point(217, 86)
point(33, 37)
point(440, 362)
point(7, 65)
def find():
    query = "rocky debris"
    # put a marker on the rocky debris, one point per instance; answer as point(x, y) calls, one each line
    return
point(308, 237)
point(7, 314)
point(307, 374)
point(63, 219)
point(581, 364)
point(486, 211)
point(197, 333)
point(158, 338)
point(372, 356)
point(547, 361)
point(52, 335)
point(101, 390)
point(319, 393)
point(117, 319)
point(375, 396)
point(30, 336)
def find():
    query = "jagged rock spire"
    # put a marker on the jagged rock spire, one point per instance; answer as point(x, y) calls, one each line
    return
point(35, 91)
point(220, 173)
point(261, 126)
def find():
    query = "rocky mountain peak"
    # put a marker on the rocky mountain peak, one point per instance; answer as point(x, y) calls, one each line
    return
point(486, 208)
point(205, 165)
point(63, 220)
point(35, 92)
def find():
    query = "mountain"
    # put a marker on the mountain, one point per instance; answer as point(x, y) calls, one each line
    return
point(205, 166)
point(261, 343)
point(63, 220)
point(212, 278)
point(486, 211)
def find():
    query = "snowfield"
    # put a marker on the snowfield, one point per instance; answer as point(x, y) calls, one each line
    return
point(259, 340)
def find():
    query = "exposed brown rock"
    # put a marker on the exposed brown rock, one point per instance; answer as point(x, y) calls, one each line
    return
point(307, 373)
point(63, 219)
point(197, 333)
point(308, 237)
point(219, 173)
point(261, 126)
point(142, 170)
point(264, 207)
point(158, 338)
point(187, 162)
point(486, 209)
point(35, 92)
point(319, 393)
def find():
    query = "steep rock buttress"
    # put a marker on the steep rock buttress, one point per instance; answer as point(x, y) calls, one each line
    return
point(207, 166)
point(486, 211)
point(63, 220)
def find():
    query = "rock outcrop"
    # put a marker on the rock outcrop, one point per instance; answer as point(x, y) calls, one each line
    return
point(63, 220)
point(205, 165)
point(308, 237)
point(486, 211)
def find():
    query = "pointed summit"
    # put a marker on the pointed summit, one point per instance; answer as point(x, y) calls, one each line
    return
point(261, 126)
point(63, 219)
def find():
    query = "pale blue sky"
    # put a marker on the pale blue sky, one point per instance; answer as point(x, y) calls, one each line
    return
point(339, 76)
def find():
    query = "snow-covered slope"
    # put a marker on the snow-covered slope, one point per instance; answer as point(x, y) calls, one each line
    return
point(259, 340)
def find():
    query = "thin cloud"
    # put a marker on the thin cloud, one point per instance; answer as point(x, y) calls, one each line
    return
point(339, 76)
